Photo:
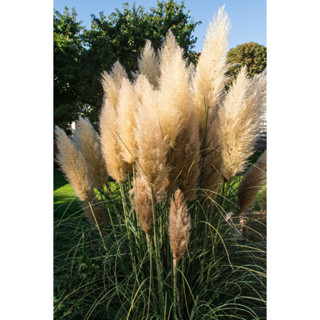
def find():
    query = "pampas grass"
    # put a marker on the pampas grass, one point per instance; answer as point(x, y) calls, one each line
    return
point(211, 179)
point(148, 64)
point(152, 146)
point(73, 164)
point(174, 95)
point(238, 125)
point(179, 226)
point(184, 160)
point(170, 137)
point(143, 206)
point(87, 141)
point(179, 233)
point(210, 76)
point(251, 183)
point(111, 83)
point(126, 122)
point(111, 144)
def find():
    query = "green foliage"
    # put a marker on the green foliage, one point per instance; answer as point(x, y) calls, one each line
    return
point(222, 276)
point(251, 54)
point(81, 55)
point(67, 69)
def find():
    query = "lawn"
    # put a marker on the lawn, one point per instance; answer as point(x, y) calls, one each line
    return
point(64, 199)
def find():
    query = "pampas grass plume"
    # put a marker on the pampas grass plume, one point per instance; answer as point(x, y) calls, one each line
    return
point(126, 122)
point(88, 141)
point(111, 83)
point(143, 206)
point(152, 146)
point(238, 126)
point(73, 165)
point(174, 95)
point(148, 64)
point(110, 144)
point(251, 183)
point(209, 79)
point(179, 226)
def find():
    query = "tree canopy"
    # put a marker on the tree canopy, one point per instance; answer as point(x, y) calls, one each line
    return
point(81, 55)
point(251, 54)
point(68, 48)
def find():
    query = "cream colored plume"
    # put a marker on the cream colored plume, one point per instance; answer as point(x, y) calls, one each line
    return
point(174, 95)
point(127, 109)
point(87, 141)
point(251, 183)
point(239, 120)
point(140, 86)
point(179, 226)
point(210, 76)
point(74, 166)
point(258, 90)
point(110, 143)
point(111, 83)
point(148, 64)
point(152, 147)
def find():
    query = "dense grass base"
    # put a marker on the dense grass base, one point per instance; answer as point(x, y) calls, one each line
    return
point(222, 276)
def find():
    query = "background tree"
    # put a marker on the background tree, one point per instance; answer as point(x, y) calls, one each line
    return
point(251, 54)
point(68, 48)
point(120, 36)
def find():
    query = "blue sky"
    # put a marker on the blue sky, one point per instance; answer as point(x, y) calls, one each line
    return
point(248, 17)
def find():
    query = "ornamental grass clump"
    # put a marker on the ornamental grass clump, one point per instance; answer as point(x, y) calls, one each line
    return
point(174, 145)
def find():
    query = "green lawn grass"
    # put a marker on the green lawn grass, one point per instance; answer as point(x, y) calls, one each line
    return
point(64, 199)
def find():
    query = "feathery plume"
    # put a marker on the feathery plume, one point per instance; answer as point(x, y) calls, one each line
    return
point(140, 85)
point(209, 79)
point(87, 141)
point(127, 108)
point(143, 206)
point(111, 83)
point(258, 90)
point(179, 226)
point(149, 64)
point(238, 126)
point(109, 130)
point(73, 165)
point(251, 183)
point(174, 96)
point(110, 144)
point(152, 146)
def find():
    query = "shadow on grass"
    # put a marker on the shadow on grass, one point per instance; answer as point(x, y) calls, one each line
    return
point(65, 201)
